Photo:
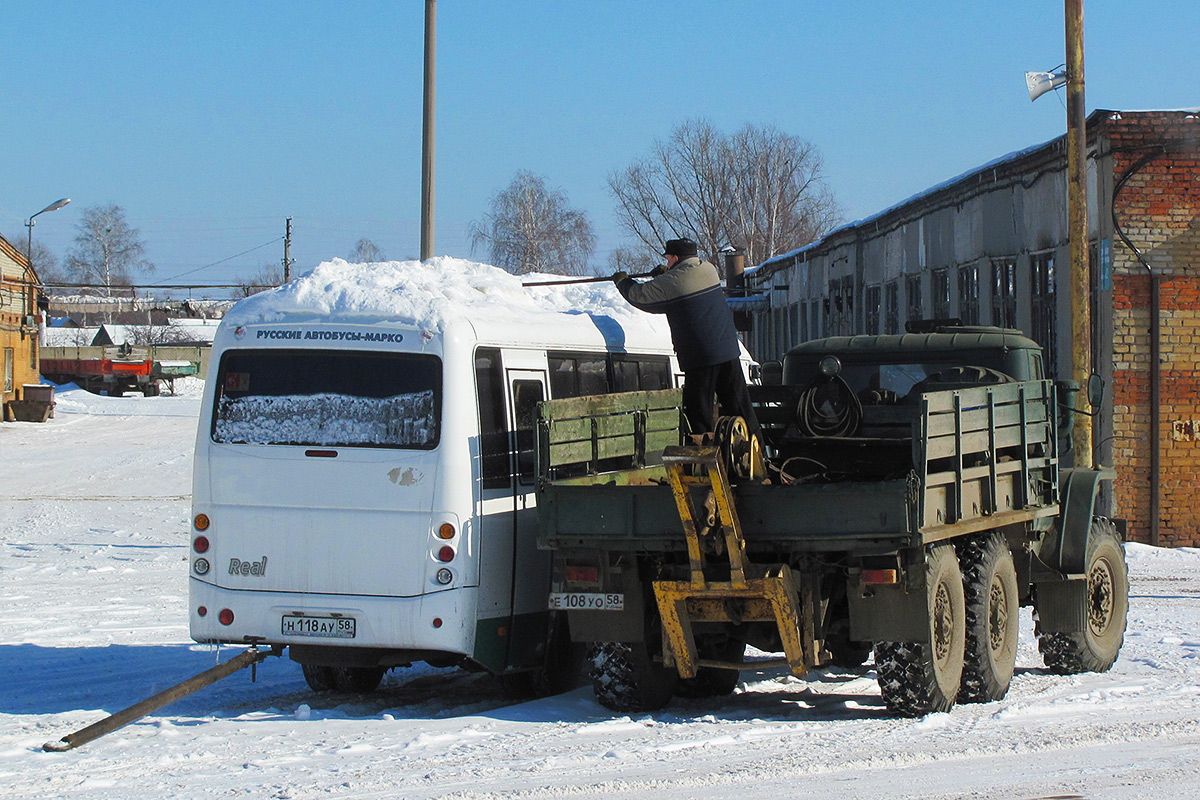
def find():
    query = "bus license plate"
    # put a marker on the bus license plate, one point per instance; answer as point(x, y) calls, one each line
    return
point(587, 601)
point(322, 627)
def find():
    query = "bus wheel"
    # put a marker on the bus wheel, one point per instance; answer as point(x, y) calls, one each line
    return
point(625, 677)
point(359, 680)
point(990, 584)
point(318, 677)
point(1095, 648)
point(918, 678)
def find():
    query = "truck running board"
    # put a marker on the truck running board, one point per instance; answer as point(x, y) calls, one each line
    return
point(753, 593)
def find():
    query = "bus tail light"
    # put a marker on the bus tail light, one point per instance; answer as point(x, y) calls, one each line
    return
point(201, 522)
point(226, 616)
point(446, 554)
point(446, 531)
point(200, 544)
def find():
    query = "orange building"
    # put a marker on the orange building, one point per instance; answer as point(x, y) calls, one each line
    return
point(19, 319)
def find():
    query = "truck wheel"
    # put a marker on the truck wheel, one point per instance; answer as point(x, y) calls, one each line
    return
point(1095, 648)
point(626, 678)
point(992, 604)
point(710, 681)
point(360, 680)
point(318, 677)
point(918, 678)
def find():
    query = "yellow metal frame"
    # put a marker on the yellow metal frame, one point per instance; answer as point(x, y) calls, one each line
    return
point(753, 593)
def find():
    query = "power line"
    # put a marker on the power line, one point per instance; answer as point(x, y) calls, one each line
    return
point(213, 264)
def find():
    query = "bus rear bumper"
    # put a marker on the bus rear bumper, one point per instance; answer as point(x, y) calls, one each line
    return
point(440, 622)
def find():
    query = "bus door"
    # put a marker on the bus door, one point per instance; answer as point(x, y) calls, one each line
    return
point(507, 530)
point(530, 566)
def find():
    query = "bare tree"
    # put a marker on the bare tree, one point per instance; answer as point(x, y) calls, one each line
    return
point(44, 262)
point(366, 252)
point(107, 250)
point(634, 260)
point(533, 229)
point(761, 190)
point(168, 333)
point(268, 275)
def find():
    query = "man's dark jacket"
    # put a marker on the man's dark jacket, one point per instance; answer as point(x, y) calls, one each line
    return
point(690, 295)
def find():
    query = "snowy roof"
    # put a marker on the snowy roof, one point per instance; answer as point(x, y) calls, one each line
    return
point(70, 337)
point(429, 294)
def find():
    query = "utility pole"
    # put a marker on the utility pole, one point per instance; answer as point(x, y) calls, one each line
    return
point(287, 248)
point(427, 132)
point(1077, 228)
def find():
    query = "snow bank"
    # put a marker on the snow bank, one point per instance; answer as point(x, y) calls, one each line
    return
point(429, 294)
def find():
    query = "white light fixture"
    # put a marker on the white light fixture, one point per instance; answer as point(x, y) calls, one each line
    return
point(1041, 82)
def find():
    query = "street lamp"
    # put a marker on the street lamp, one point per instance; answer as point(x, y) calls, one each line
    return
point(55, 206)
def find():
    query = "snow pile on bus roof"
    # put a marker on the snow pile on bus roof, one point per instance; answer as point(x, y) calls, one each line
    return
point(428, 294)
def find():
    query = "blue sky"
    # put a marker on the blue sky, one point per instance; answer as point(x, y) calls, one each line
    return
point(212, 122)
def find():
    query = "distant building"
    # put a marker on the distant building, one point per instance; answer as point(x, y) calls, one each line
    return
point(990, 247)
point(19, 318)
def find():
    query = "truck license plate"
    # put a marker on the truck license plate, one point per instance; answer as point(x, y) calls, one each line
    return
point(587, 601)
point(323, 627)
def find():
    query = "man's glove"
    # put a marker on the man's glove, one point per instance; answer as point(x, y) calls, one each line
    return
point(619, 276)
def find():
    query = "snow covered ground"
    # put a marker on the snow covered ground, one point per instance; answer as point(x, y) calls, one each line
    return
point(93, 533)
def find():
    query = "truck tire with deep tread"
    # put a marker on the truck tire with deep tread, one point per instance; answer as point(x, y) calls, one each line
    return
point(992, 605)
point(1095, 648)
point(626, 678)
point(710, 681)
point(918, 678)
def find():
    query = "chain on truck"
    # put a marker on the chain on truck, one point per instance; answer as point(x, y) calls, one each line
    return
point(906, 500)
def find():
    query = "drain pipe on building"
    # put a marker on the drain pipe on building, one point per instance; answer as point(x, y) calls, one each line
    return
point(1155, 363)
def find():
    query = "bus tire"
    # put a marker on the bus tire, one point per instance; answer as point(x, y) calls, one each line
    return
point(319, 678)
point(918, 678)
point(993, 606)
point(359, 680)
point(1095, 648)
point(626, 678)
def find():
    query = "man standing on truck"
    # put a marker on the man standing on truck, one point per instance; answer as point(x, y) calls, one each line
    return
point(688, 291)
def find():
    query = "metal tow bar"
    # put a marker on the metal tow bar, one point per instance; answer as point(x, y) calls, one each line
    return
point(138, 710)
point(754, 593)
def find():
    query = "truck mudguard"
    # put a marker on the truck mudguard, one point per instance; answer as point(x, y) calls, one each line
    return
point(1065, 547)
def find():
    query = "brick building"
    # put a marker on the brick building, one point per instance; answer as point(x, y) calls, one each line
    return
point(18, 323)
point(990, 247)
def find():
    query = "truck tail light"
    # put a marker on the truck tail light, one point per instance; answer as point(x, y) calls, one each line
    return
point(880, 576)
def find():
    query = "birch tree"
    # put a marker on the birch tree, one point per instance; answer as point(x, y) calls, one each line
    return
point(107, 250)
point(531, 228)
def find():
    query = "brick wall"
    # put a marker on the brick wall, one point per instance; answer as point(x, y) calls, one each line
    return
point(1159, 210)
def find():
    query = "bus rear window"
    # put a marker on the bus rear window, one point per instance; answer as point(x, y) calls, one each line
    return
point(328, 398)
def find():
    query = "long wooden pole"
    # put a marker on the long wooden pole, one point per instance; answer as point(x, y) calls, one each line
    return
point(139, 710)
point(1077, 227)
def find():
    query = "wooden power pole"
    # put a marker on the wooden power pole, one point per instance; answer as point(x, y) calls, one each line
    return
point(1077, 228)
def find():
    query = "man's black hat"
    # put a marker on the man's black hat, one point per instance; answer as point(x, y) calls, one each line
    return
point(684, 248)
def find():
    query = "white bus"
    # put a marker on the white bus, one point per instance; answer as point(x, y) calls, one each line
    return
point(362, 487)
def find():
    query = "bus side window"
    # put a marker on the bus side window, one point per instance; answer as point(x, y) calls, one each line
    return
point(625, 375)
point(653, 374)
point(526, 395)
point(493, 429)
point(577, 374)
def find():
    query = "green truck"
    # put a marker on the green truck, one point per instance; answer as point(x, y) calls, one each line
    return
point(905, 499)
